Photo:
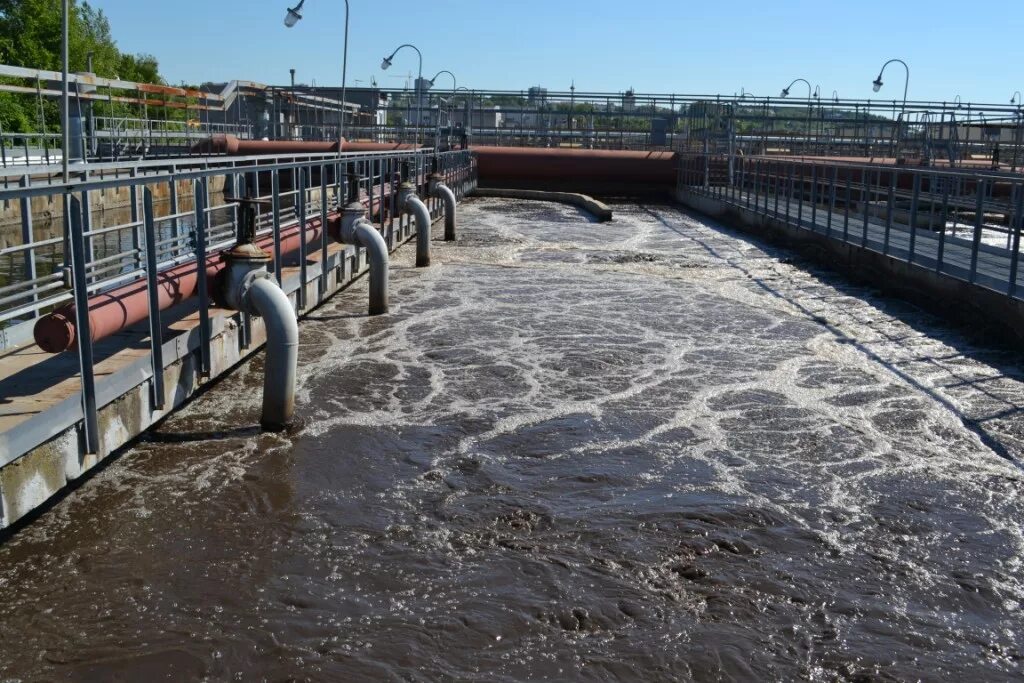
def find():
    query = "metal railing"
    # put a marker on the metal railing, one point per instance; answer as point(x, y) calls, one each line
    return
point(964, 225)
point(163, 227)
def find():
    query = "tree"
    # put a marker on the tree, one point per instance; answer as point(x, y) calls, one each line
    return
point(30, 36)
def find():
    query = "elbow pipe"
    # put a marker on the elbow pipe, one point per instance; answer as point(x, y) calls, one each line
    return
point(354, 228)
point(266, 299)
point(412, 204)
point(377, 253)
point(447, 196)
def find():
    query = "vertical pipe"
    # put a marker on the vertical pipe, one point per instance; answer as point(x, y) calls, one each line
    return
point(83, 334)
point(156, 343)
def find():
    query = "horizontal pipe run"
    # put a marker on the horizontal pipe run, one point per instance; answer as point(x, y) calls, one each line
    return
point(115, 310)
point(595, 172)
point(230, 145)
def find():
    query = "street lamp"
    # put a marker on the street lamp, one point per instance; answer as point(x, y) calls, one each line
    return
point(386, 64)
point(958, 102)
point(293, 15)
point(1016, 99)
point(292, 18)
point(785, 91)
point(877, 84)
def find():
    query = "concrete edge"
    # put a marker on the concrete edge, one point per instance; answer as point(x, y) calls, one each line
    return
point(599, 210)
point(958, 301)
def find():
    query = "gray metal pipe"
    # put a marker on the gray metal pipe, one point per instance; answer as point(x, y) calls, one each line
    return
point(421, 213)
point(447, 196)
point(269, 301)
point(377, 255)
point(356, 229)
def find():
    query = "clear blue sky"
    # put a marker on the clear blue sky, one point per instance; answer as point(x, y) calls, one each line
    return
point(972, 49)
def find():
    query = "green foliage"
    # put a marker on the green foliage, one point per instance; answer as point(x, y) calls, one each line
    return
point(30, 37)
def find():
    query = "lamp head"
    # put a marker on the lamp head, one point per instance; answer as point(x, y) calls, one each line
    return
point(784, 93)
point(293, 15)
point(878, 83)
point(386, 64)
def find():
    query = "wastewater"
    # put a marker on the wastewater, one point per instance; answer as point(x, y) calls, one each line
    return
point(651, 449)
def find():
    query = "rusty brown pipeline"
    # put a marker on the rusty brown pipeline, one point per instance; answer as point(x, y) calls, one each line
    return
point(230, 145)
point(576, 169)
point(117, 309)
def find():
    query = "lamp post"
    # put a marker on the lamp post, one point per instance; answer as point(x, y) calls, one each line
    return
point(292, 18)
point(65, 105)
point(877, 84)
point(455, 85)
point(386, 64)
point(810, 108)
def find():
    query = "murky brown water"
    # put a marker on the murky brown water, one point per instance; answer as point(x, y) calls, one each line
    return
point(646, 450)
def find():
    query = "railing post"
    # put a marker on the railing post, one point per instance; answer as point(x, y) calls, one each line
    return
point(301, 207)
point(201, 285)
point(979, 207)
point(83, 333)
point(866, 198)
point(275, 200)
point(156, 342)
point(945, 218)
point(847, 208)
point(814, 197)
point(913, 217)
point(27, 237)
point(324, 242)
point(175, 223)
point(890, 200)
point(1015, 225)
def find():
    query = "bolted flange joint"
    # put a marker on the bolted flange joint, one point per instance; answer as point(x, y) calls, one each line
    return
point(406, 191)
point(353, 214)
point(435, 181)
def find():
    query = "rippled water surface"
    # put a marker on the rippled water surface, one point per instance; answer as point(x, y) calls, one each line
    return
point(643, 450)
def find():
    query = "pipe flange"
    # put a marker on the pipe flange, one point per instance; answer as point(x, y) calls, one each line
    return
point(350, 217)
point(434, 181)
point(245, 286)
point(406, 191)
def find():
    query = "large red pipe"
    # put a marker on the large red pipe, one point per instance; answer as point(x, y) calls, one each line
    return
point(112, 311)
point(232, 146)
point(580, 170)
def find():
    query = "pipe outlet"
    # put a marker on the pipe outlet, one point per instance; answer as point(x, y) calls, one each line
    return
point(248, 287)
point(410, 203)
point(438, 189)
point(356, 229)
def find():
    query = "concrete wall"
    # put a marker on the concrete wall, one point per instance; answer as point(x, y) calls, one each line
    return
point(956, 300)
